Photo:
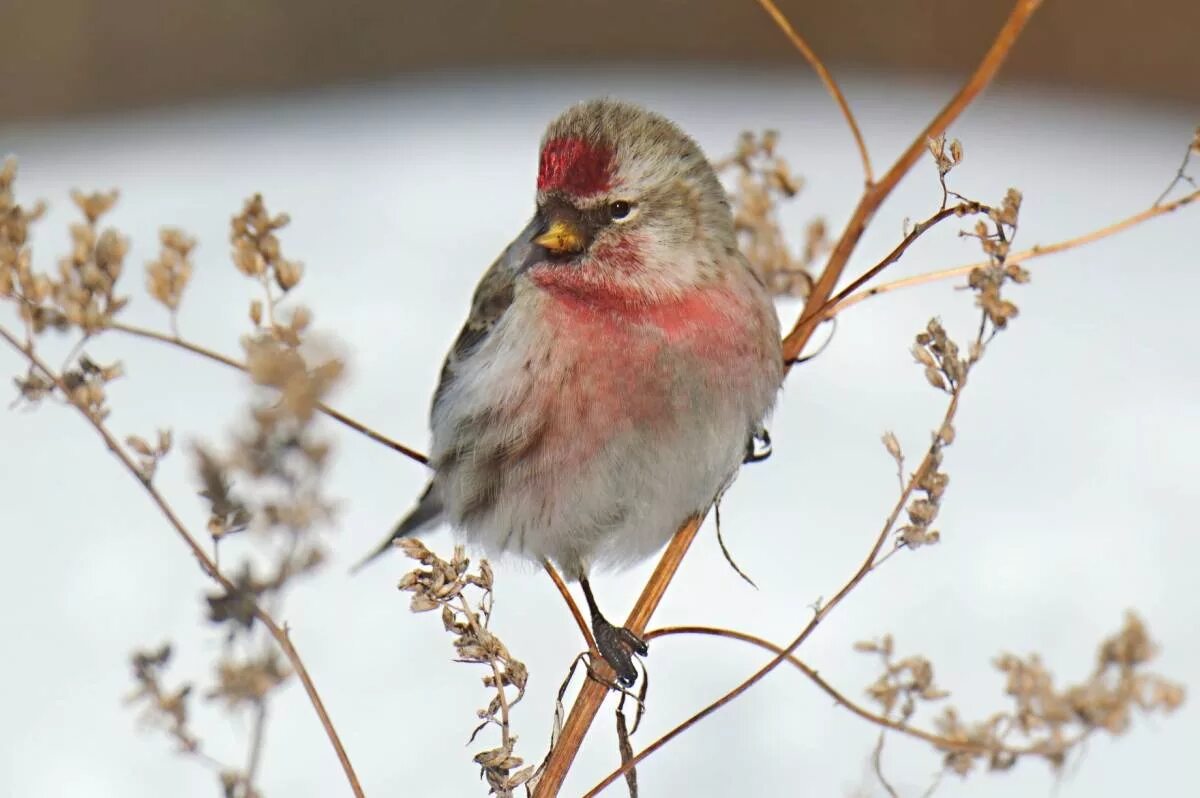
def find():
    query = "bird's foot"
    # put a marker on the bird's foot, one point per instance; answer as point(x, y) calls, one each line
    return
point(617, 647)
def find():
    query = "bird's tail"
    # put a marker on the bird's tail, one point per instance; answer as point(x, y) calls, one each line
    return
point(427, 513)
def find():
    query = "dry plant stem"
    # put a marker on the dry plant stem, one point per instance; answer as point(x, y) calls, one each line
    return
point(591, 695)
point(868, 564)
point(1180, 174)
point(256, 746)
point(876, 193)
point(587, 704)
point(563, 591)
point(831, 86)
point(877, 764)
point(664, 572)
point(504, 725)
point(937, 740)
point(196, 349)
point(834, 308)
point(280, 634)
point(962, 209)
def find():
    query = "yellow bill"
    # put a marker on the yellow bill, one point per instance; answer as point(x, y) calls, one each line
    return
point(562, 238)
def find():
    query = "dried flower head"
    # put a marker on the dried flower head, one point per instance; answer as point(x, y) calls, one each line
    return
point(15, 260)
point(257, 253)
point(988, 281)
point(444, 583)
point(149, 455)
point(168, 275)
point(83, 293)
point(86, 382)
point(162, 707)
point(249, 681)
point(946, 154)
point(763, 180)
point(1049, 723)
point(85, 289)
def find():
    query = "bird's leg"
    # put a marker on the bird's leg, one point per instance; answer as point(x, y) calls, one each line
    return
point(617, 644)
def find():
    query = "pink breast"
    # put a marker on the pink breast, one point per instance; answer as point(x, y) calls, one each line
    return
point(615, 364)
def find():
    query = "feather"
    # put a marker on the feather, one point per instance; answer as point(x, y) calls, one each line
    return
point(428, 512)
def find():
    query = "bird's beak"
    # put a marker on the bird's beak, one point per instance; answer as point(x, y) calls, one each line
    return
point(562, 238)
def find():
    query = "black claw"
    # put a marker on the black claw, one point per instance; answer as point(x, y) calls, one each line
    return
point(635, 643)
point(617, 646)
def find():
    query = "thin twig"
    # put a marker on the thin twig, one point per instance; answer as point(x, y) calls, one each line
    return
point(937, 781)
point(591, 695)
point(816, 678)
point(257, 737)
point(922, 227)
point(834, 308)
point(264, 278)
point(496, 676)
point(831, 85)
point(280, 634)
point(576, 613)
point(876, 193)
point(336, 415)
point(725, 550)
point(840, 698)
point(877, 763)
point(626, 748)
point(1181, 173)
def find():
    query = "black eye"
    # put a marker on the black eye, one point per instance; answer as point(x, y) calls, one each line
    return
point(619, 210)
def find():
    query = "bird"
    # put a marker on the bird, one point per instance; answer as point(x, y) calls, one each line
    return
point(618, 363)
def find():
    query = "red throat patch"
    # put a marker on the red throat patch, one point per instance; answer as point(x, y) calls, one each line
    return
point(576, 166)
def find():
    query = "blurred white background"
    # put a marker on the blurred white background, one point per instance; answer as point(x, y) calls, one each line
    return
point(1072, 491)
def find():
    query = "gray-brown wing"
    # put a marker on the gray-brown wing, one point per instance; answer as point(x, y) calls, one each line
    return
point(492, 298)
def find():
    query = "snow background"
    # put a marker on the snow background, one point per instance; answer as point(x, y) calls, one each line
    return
point(1072, 480)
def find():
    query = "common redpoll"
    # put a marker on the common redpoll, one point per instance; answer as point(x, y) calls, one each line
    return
point(617, 364)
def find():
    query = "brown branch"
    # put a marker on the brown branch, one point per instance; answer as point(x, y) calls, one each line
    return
point(280, 634)
point(830, 690)
point(576, 613)
point(836, 306)
point(937, 740)
point(831, 86)
point(962, 209)
point(672, 558)
point(876, 193)
point(336, 415)
point(587, 703)
point(592, 694)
